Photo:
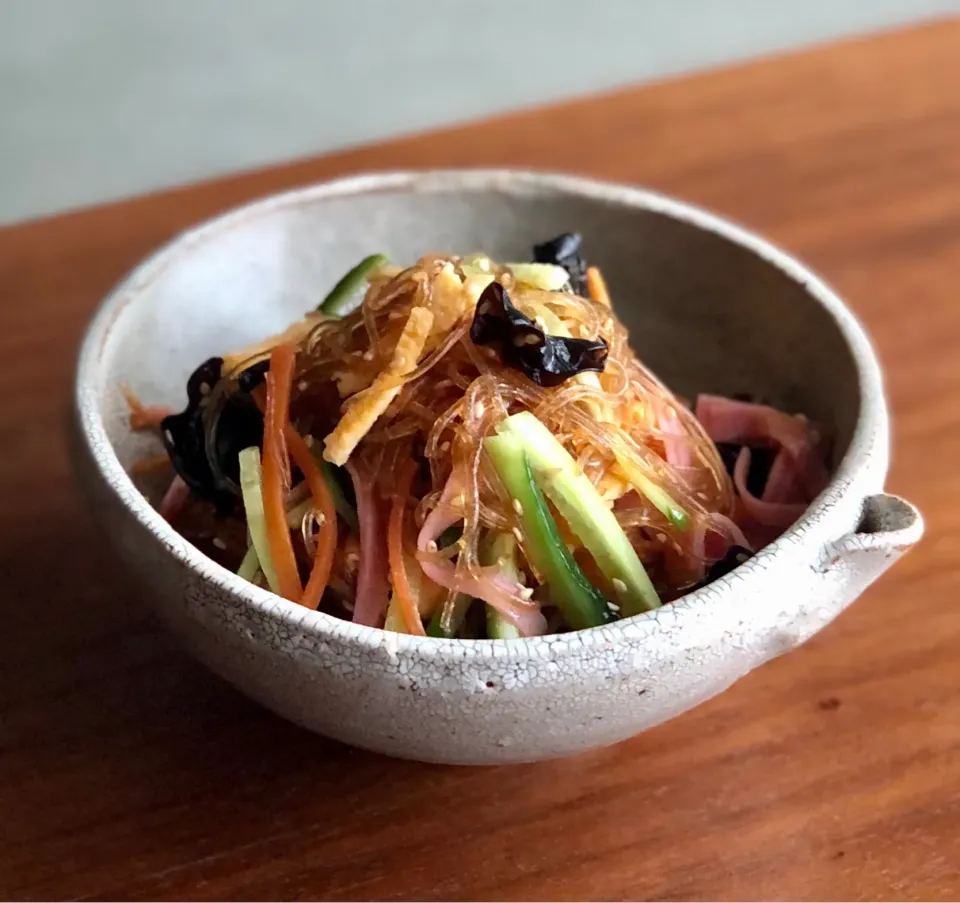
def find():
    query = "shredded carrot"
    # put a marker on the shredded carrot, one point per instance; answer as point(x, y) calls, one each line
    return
point(153, 464)
point(317, 484)
point(276, 470)
point(398, 571)
point(327, 538)
point(144, 417)
point(597, 286)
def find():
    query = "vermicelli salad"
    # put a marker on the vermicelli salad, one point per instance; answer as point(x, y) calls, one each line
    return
point(469, 448)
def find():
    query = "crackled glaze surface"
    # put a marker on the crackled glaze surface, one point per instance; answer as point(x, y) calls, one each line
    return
point(710, 306)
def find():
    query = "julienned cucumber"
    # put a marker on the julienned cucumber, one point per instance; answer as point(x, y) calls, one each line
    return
point(501, 551)
point(566, 485)
point(342, 298)
point(253, 508)
point(581, 603)
point(448, 619)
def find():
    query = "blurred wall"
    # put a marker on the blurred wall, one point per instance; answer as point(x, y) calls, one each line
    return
point(104, 98)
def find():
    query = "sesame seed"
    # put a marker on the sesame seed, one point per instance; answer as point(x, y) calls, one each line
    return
point(168, 436)
point(676, 548)
point(309, 440)
point(303, 385)
point(619, 586)
point(219, 543)
point(518, 507)
point(518, 534)
point(661, 537)
point(204, 388)
point(527, 592)
point(702, 495)
point(613, 606)
point(478, 409)
point(432, 546)
point(368, 355)
point(348, 605)
point(445, 445)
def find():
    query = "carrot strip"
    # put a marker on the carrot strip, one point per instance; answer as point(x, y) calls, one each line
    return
point(144, 417)
point(398, 571)
point(327, 538)
point(597, 286)
point(276, 470)
point(153, 464)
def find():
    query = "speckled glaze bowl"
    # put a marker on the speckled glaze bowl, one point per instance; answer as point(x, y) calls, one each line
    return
point(710, 306)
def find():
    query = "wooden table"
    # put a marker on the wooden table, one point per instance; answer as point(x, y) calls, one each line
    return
point(126, 771)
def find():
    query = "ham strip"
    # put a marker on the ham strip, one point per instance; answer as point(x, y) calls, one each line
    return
point(492, 587)
point(174, 499)
point(373, 579)
point(675, 442)
point(768, 513)
point(783, 485)
point(745, 423)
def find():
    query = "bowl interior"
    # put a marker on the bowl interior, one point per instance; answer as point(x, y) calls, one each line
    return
point(704, 312)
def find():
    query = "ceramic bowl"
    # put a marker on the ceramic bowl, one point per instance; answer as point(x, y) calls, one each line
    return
point(710, 307)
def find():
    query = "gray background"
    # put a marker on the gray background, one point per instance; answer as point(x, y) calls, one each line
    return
point(105, 98)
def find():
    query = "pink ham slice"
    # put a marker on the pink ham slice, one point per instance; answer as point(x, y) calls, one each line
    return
point(745, 423)
point(373, 579)
point(675, 442)
point(484, 583)
point(715, 535)
point(764, 511)
point(798, 473)
point(174, 499)
point(490, 586)
point(783, 485)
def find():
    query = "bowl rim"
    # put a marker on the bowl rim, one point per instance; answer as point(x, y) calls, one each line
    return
point(871, 414)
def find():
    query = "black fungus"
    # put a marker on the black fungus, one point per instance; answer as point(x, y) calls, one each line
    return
point(238, 426)
point(736, 555)
point(546, 359)
point(564, 250)
point(449, 536)
point(728, 454)
point(761, 460)
point(253, 376)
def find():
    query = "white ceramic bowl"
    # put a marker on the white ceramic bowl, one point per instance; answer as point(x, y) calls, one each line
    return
point(710, 306)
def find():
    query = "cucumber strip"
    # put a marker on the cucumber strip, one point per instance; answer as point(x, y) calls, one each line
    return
point(580, 602)
point(342, 298)
point(584, 510)
point(253, 507)
point(660, 499)
point(250, 564)
point(501, 550)
point(549, 277)
point(448, 627)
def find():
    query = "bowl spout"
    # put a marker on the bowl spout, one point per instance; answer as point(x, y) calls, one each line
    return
point(888, 527)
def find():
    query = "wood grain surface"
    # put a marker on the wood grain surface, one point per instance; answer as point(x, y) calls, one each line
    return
point(128, 772)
